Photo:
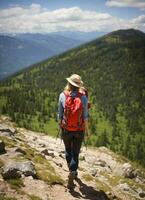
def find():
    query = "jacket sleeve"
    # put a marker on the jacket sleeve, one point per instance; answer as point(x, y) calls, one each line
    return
point(85, 105)
point(61, 105)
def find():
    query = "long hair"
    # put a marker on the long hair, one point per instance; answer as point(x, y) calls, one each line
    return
point(70, 88)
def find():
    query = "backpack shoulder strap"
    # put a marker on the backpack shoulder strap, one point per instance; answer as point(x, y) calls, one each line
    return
point(80, 95)
point(66, 93)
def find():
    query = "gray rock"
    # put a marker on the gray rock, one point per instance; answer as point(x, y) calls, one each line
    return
point(16, 170)
point(62, 155)
point(94, 172)
point(34, 138)
point(10, 172)
point(58, 162)
point(142, 194)
point(7, 131)
point(20, 151)
point(101, 163)
point(129, 171)
point(48, 153)
point(42, 145)
point(2, 147)
point(27, 168)
point(111, 195)
point(124, 187)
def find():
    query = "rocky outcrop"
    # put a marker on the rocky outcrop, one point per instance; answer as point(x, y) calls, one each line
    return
point(6, 130)
point(129, 171)
point(17, 169)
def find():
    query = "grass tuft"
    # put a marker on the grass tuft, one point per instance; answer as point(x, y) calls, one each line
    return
point(15, 183)
point(34, 197)
point(7, 198)
point(87, 177)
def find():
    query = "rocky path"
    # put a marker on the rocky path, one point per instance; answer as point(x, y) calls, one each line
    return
point(102, 175)
point(54, 152)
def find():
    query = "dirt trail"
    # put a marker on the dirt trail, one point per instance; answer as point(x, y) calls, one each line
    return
point(83, 189)
point(100, 175)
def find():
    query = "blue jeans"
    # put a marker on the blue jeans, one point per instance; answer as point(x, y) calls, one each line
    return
point(72, 141)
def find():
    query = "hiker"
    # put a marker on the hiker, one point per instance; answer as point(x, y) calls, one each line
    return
point(73, 119)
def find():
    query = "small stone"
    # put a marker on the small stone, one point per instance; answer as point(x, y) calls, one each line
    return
point(124, 187)
point(142, 194)
point(45, 152)
point(62, 155)
point(48, 153)
point(129, 171)
point(42, 145)
point(82, 158)
point(2, 147)
point(59, 164)
point(94, 172)
point(100, 163)
point(34, 138)
point(20, 151)
point(111, 195)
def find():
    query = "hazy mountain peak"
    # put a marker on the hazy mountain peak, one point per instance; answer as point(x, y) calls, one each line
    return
point(128, 35)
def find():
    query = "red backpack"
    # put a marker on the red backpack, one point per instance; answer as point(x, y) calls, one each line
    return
point(73, 113)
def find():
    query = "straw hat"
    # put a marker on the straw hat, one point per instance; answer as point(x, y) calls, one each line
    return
point(75, 80)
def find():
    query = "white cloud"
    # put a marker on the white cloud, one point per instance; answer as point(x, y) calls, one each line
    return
point(140, 4)
point(139, 22)
point(36, 19)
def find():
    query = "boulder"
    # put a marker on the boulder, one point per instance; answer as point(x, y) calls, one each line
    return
point(27, 168)
point(16, 170)
point(2, 147)
point(10, 172)
point(129, 171)
point(6, 130)
point(19, 150)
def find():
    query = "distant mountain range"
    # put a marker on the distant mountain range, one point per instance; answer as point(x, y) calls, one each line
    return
point(21, 50)
point(112, 67)
point(82, 36)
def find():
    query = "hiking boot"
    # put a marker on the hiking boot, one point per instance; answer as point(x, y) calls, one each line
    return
point(71, 178)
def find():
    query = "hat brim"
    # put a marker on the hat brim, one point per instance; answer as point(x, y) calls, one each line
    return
point(73, 83)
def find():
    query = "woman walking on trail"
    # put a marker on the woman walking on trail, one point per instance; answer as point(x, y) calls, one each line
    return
point(73, 119)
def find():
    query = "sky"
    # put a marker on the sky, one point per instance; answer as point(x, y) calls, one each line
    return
point(45, 16)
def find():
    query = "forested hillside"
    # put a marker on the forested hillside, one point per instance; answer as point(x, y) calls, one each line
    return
point(113, 69)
